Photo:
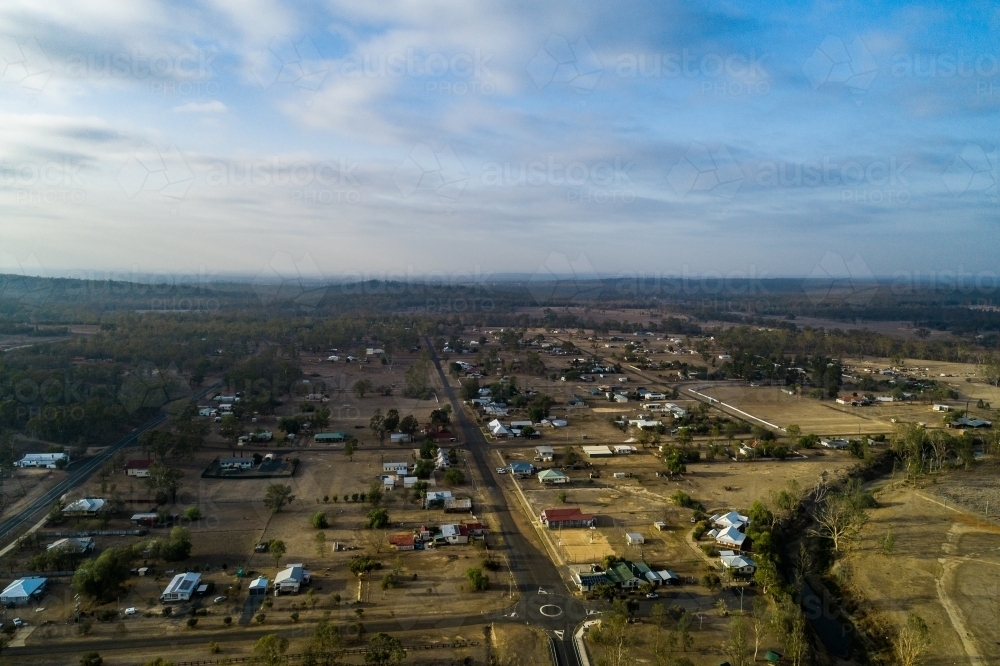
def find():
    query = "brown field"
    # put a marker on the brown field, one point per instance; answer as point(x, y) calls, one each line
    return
point(244, 647)
point(950, 556)
point(519, 645)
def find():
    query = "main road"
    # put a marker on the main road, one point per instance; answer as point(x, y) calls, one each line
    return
point(81, 473)
point(544, 599)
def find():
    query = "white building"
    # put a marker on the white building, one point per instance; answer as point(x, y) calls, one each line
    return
point(290, 579)
point(395, 467)
point(86, 506)
point(181, 587)
point(634, 538)
point(46, 460)
point(236, 463)
point(736, 563)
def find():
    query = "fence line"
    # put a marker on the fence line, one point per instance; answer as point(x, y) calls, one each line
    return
point(356, 650)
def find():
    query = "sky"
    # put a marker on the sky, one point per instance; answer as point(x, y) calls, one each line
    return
point(392, 139)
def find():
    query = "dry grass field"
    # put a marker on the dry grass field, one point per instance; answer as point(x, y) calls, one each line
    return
point(634, 503)
point(519, 645)
point(951, 557)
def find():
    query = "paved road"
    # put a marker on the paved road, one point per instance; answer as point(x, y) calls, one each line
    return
point(81, 473)
point(544, 599)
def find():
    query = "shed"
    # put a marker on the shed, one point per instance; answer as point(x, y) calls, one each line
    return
point(597, 451)
point(402, 541)
point(634, 538)
point(258, 587)
point(330, 437)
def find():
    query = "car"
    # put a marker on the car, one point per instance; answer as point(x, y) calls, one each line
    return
point(130, 610)
point(219, 600)
point(652, 595)
point(18, 622)
point(501, 470)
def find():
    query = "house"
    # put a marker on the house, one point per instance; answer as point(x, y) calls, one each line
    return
point(395, 467)
point(660, 525)
point(236, 463)
point(557, 518)
point(964, 422)
point(731, 538)
point(597, 451)
point(544, 453)
point(23, 591)
point(330, 437)
point(829, 443)
point(552, 477)
point(499, 430)
point(84, 507)
point(941, 408)
point(81, 545)
point(644, 424)
point(151, 519)
point(736, 563)
point(258, 587)
point(46, 460)
point(623, 575)
point(436, 498)
point(619, 397)
point(634, 539)
point(181, 587)
point(402, 541)
point(624, 449)
point(455, 534)
point(476, 530)
point(675, 411)
point(588, 580)
point(731, 519)
point(388, 481)
point(441, 461)
point(138, 468)
point(458, 505)
point(290, 579)
point(522, 469)
point(409, 481)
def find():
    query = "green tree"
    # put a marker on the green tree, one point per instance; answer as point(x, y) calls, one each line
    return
point(230, 429)
point(350, 446)
point(384, 650)
point(409, 425)
point(454, 477)
point(362, 386)
point(192, 514)
point(103, 578)
point(318, 520)
point(737, 648)
point(478, 579)
point(277, 496)
point(270, 650)
point(326, 646)
point(277, 550)
point(377, 519)
point(377, 426)
point(91, 659)
point(391, 421)
point(375, 493)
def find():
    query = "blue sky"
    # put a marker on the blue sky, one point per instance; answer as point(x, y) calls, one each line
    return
point(400, 139)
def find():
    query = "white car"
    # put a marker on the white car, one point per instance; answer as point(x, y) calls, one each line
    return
point(501, 470)
point(130, 610)
point(219, 600)
point(18, 622)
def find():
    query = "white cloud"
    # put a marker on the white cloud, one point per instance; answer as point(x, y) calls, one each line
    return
point(215, 106)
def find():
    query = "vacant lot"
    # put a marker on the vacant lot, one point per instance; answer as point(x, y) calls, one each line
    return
point(519, 645)
point(952, 562)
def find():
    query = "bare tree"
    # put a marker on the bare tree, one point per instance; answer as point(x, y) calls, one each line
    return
point(737, 648)
point(912, 641)
point(759, 618)
point(376, 541)
point(838, 520)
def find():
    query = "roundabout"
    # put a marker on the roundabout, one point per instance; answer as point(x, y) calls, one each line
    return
point(550, 610)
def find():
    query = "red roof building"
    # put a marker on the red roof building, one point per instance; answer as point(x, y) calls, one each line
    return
point(402, 541)
point(556, 518)
point(138, 467)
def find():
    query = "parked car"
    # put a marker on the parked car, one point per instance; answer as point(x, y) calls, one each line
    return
point(130, 610)
point(652, 595)
point(501, 470)
point(18, 622)
point(219, 600)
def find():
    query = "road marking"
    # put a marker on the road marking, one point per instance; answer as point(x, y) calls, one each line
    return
point(541, 590)
point(559, 633)
point(550, 610)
